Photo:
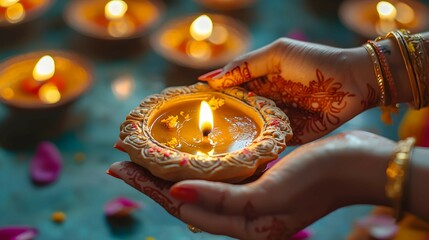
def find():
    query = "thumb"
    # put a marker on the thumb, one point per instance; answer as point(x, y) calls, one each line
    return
point(254, 64)
point(221, 198)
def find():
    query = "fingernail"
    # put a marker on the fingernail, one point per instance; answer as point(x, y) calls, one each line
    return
point(119, 148)
point(112, 174)
point(210, 75)
point(187, 195)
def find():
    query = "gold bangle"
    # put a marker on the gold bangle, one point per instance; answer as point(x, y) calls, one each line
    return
point(419, 60)
point(396, 174)
point(403, 47)
point(378, 73)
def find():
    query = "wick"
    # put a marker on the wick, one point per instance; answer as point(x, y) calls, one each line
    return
point(206, 133)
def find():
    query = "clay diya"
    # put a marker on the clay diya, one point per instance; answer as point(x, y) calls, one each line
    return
point(196, 132)
point(113, 19)
point(374, 18)
point(201, 41)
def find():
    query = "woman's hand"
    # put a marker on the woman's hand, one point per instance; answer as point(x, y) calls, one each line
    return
point(319, 87)
point(301, 188)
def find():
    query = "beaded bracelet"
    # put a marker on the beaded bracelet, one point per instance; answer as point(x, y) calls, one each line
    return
point(385, 69)
point(396, 174)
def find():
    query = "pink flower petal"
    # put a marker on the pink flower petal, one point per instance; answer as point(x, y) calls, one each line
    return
point(379, 226)
point(301, 235)
point(17, 233)
point(120, 206)
point(297, 35)
point(46, 164)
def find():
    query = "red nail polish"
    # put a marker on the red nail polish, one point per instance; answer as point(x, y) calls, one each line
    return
point(210, 75)
point(187, 195)
point(119, 148)
point(112, 174)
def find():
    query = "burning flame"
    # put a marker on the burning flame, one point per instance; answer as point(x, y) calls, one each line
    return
point(7, 3)
point(386, 10)
point(44, 69)
point(201, 28)
point(206, 119)
point(115, 9)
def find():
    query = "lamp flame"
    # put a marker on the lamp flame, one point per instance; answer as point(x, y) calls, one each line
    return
point(386, 10)
point(7, 3)
point(206, 119)
point(44, 69)
point(115, 9)
point(201, 28)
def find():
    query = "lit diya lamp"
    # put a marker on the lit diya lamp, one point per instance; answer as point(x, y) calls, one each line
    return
point(113, 19)
point(374, 18)
point(203, 41)
point(197, 132)
point(13, 12)
point(42, 80)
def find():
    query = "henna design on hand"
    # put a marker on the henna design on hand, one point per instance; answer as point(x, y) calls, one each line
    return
point(311, 108)
point(276, 230)
point(237, 76)
point(155, 188)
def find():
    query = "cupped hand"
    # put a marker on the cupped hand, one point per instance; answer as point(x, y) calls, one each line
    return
point(319, 87)
point(310, 182)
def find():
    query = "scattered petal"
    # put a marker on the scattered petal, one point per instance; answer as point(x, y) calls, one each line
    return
point(17, 233)
point(297, 35)
point(46, 164)
point(301, 235)
point(379, 226)
point(120, 206)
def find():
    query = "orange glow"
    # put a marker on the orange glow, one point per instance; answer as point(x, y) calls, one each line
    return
point(7, 93)
point(206, 118)
point(44, 69)
point(219, 36)
point(7, 3)
point(405, 13)
point(123, 86)
point(115, 9)
point(15, 13)
point(201, 28)
point(386, 10)
point(49, 93)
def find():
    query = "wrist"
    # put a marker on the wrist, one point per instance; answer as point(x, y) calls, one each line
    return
point(360, 172)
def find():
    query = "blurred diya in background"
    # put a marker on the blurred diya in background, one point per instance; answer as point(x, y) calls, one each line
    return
point(226, 4)
point(196, 132)
point(42, 80)
point(38, 89)
point(203, 41)
point(113, 19)
point(374, 18)
point(13, 12)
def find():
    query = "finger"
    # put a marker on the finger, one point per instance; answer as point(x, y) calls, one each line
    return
point(255, 64)
point(242, 227)
point(142, 180)
point(222, 198)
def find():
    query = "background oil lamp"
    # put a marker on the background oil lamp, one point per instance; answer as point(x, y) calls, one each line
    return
point(374, 18)
point(38, 88)
point(201, 41)
point(113, 19)
point(13, 12)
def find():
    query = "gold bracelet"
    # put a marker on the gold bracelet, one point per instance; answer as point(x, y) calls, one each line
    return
point(403, 47)
point(378, 73)
point(396, 174)
point(419, 60)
